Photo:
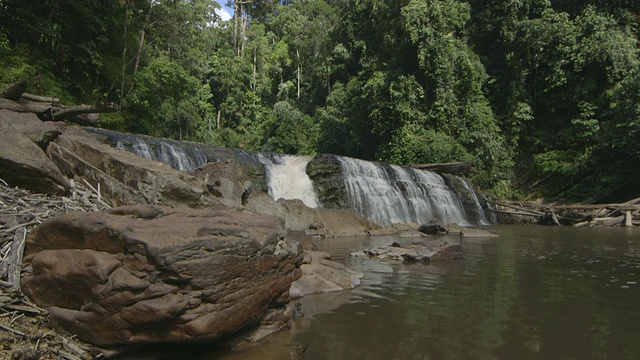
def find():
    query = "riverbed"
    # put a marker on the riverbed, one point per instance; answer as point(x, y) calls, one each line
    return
point(533, 293)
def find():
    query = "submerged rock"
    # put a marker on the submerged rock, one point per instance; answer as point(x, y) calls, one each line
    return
point(424, 251)
point(432, 229)
point(141, 274)
point(321, 275)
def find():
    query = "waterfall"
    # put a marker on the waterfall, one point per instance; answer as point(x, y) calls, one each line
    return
point(380, 192)
point(390, 194)
point(476, 203)
point(287, 178)
point(179, 155)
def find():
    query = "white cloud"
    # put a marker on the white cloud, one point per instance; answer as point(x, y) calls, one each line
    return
point(224, 14)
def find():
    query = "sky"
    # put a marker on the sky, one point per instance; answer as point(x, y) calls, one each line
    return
point(225, 12)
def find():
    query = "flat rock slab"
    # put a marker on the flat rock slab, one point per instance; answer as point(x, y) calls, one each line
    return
point(469, 232)
point(424, 251)
point(321, 275)
point(144, 274)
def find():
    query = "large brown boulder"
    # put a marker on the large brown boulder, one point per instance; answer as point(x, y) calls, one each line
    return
point(24, 164)
point(140, 274)
point(36, 130)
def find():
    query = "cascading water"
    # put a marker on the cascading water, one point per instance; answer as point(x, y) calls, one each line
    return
point(380, 192)
point(287, 178)
point(476, 202)
point(170, 152)
point(390, 194)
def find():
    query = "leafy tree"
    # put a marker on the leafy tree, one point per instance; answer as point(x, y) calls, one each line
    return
point(550, 84)
point(289, 131)
point(413, 144)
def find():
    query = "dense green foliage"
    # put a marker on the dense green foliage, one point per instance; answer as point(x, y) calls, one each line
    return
point(549, 89)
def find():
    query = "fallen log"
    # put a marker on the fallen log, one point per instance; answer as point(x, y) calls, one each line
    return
point(625, 206)
point(609, 221)
point(519, 208)
point(518, 213)
point(66, 113)
point(38, 98)
point(48, 108)
point(595, 207)
point(449, 168)
point(628, 219)
point(24, 106)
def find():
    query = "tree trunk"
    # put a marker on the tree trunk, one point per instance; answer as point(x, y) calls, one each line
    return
point(299, 71)
point(328, 80)
point(255, 64)
point(235, 27)
point(124, 53)
point(245, 21)
point(140, 45)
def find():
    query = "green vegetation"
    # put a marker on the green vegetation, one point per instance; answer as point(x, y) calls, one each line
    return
point(546, 89)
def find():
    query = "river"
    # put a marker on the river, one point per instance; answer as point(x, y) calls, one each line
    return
point(533, 293)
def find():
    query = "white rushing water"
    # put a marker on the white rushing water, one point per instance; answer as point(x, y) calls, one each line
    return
point(287, 179)
point(171, 154)
point(142, 149)
point(380, 192)
point(476, 203)
point(397, 195)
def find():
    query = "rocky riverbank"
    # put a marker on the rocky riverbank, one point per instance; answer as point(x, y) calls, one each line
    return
point(125, 251)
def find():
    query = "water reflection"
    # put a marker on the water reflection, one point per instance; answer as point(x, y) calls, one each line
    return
point(533, 293)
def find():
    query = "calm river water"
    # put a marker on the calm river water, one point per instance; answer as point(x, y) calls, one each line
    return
point(533, 293)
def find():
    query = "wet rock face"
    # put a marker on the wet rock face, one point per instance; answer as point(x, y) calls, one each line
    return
point(140, 274)
point(326, 173)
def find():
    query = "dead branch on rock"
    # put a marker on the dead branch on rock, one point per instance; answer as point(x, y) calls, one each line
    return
point(15, 258)
point(42, 99)
point(48, 108)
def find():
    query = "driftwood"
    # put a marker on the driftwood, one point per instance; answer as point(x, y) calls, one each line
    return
point(575, 215)
point(449, 168)
point(14, 258)
point(521, 210)
point(517, 213)
point(48, 108)
point(624, 207)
